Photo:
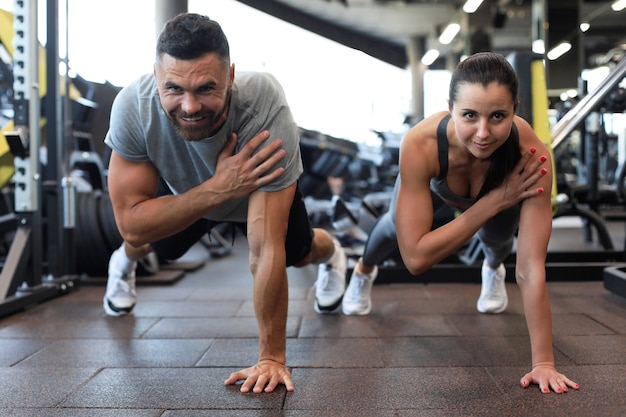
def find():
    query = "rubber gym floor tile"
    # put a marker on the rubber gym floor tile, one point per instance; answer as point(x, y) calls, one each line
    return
point(210, 293)
point(375, 325)
point(194, 327)
point(99, 328)
point(400, 292)
point(242, 352)
point(39, 387)
point(162, 293)
point(224, 413)
point(119, 353)
point(76, 412)
point(340, 413)
point(366, 391)
point(146, 308)
point(296, 308)
point(428, 306)
point(169, 388)
point(606, 310)
point(506, 351)
point(66, 308)
point(594, 350)
point(513, 324)
point(335, 353)
point(13, 351)
point(505, 410)
point(489, 324)
point(446, 299)
point(426, 351)
point(575, 289)
point(616, 321)
point(315, 352)
point(577, 324)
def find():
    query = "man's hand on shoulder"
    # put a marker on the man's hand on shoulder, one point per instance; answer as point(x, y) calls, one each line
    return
point(240, 174)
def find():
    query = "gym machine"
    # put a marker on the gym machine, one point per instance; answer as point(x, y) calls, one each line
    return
point(29, 274)
point(604, 196)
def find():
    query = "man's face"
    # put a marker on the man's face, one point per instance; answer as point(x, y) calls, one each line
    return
point(195, 93)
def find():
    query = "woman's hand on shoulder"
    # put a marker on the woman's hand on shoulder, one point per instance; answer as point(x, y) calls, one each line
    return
point(523, 181)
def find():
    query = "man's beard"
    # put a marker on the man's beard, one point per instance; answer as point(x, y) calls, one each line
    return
point(191, 133)
point(198, 133)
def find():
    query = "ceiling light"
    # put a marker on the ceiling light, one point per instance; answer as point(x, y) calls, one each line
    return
point(584, 26)
point(539, 46)
point(471, 6)
point(449, 33)
point(559, 50)
point(430, 57)
point(619, 5)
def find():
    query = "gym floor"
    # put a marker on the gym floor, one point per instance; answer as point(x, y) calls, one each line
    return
point(423, 351)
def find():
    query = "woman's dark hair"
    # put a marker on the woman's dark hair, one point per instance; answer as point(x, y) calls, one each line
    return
point(485, 68)
point(190, 36)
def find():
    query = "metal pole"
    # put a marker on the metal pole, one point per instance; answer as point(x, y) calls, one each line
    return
point(27, 106)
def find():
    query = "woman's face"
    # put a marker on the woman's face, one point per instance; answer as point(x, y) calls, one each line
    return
point(482, 117)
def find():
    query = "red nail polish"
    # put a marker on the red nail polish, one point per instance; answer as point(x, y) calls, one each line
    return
point(533, 150)
point(543, 159)
point(577, 386)
point(546, 390)
point(540, 190)
point(544, 171)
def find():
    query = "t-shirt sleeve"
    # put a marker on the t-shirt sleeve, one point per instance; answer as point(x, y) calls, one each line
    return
point(125, 135)
point(273, 114)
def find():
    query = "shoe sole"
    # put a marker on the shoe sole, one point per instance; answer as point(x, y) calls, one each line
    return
point(331, 309)
point(114, 311)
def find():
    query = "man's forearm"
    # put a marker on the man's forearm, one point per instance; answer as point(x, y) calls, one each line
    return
point(271, 306)
point(160, 217)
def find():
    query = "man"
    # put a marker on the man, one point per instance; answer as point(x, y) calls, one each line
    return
point(194, 146)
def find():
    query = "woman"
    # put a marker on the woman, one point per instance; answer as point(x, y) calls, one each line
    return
point(480, 158)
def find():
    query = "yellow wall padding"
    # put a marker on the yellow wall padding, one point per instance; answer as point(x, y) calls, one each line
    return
point(541, 123)
point(6, 30)
point(7, 168)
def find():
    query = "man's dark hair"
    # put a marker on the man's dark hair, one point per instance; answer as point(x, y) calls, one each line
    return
point(190, 36)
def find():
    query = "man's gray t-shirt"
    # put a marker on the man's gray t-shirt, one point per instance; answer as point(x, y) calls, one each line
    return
point(140, 131)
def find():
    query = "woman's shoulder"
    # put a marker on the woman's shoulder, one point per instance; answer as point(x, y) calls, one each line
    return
point(527, 136)
point(420, 144)
point(427, 128)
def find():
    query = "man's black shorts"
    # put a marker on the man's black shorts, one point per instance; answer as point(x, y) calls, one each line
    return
point(297, 244)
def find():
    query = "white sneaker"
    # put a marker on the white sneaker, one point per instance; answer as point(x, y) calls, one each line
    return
point(120, 296)
point(331, 282)
point(493, 298)
point(357, 300)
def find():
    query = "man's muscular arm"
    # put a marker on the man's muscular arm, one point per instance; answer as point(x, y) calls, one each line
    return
point(268, 215)
point(142, 218)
